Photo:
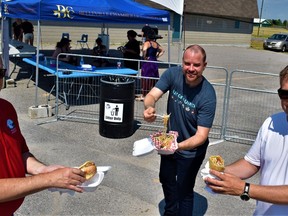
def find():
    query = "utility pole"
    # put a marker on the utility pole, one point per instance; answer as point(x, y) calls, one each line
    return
point(260, 17)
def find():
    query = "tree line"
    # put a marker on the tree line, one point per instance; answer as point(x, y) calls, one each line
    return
point(278, 22)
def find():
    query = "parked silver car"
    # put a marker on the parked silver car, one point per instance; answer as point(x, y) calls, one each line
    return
point(277, 42)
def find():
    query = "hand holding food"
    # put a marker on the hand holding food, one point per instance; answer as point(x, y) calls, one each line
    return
point(89, 168)
point(216, 162)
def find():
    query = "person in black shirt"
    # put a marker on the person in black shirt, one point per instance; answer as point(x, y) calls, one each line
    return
point(100, 50)
point(17, 30)
point(131, 50)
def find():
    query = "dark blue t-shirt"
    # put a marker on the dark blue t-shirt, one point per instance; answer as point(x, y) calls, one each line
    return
point(189, 106)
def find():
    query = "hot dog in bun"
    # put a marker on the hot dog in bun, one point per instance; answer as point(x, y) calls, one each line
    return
point(216, 162)
point(89, 168)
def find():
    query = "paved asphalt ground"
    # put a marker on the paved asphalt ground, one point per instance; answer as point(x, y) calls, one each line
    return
point(132, 186)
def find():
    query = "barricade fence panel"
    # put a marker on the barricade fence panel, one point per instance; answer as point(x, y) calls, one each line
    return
point(244, 100)
point(252, 97)
point(161, 105)
point(218, 77)
point(78, 98)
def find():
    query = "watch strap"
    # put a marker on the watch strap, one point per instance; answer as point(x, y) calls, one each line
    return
point(245, 195)
point(246, 187)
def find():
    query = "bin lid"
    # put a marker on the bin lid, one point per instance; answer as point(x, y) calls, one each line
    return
point(117, 79)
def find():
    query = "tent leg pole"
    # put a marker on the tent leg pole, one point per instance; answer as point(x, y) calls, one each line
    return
point(37, 64)
point(169, 44)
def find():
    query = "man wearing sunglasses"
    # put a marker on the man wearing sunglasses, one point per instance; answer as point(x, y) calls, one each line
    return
point(16, 161)
point(269, 155)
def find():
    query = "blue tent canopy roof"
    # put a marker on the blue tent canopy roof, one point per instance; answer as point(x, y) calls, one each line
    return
point(97, 11)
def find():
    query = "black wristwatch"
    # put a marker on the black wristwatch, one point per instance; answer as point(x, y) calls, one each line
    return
point(245, 195)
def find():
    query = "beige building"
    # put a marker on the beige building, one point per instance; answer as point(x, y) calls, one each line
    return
point(225, 22)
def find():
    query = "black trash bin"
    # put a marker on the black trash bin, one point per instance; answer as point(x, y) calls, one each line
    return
point(116, 107)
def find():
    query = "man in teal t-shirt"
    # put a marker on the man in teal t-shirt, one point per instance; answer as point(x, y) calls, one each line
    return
point(192, 104)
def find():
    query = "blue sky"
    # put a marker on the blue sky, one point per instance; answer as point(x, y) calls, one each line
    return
point(274, 9)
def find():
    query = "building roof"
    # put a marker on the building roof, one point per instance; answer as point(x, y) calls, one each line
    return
point(221, 8)
point(257, 20)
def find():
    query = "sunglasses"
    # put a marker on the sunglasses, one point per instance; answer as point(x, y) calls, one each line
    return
point(283, 94)
point(2, 73)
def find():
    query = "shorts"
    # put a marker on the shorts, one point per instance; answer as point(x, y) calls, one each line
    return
point(28, 36)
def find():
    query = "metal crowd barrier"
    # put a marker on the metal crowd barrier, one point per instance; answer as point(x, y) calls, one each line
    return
point(251, 99)
point(244, 100)
point(79, 98)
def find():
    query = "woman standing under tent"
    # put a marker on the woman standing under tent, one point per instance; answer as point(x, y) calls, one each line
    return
point(151, 52)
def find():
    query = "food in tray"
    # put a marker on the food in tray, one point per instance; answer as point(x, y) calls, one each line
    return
point(89, 168)
point(216, 162)
point(165, 141)
point(165, 121)
point(164, 138)
point(165, 118)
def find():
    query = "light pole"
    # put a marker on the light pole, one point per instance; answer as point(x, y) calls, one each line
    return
point(260, 17)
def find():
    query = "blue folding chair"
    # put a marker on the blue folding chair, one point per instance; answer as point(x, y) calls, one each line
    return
point(83, 41)
point(65, 35)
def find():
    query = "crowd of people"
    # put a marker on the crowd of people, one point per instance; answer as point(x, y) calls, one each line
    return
point(192, 104)
point(151, 51)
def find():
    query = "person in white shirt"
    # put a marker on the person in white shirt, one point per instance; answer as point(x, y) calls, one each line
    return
point(269, 156)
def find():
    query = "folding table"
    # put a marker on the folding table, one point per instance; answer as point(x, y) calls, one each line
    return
point(68, 71)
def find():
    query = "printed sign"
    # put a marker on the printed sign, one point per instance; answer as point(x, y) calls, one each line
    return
point(113, 112)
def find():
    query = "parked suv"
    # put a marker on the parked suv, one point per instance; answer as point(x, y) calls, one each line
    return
point(277, 42)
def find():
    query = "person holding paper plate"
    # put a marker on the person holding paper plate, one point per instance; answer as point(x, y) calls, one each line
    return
point(268, 156)
point(192, 104)
point(16, 161)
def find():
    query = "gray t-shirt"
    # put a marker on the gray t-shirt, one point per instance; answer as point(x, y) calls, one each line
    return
point(189, 106)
